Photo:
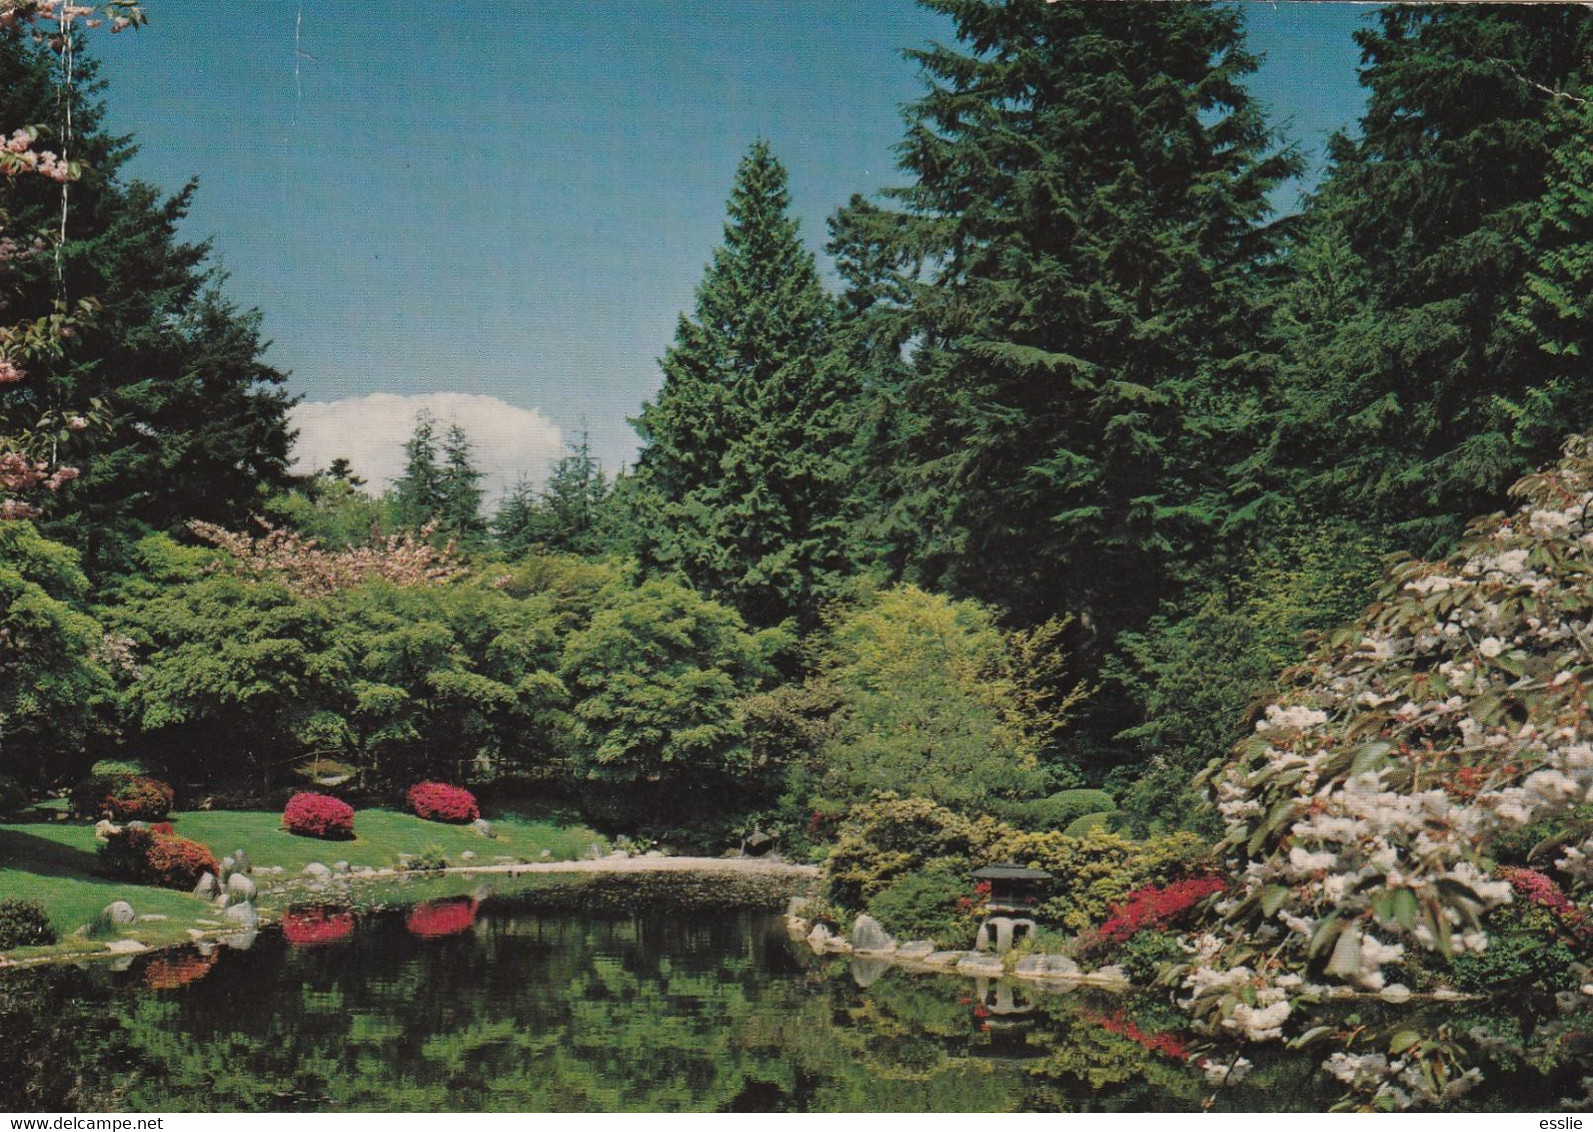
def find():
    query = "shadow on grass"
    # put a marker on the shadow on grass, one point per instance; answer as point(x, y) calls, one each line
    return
point(28, 853)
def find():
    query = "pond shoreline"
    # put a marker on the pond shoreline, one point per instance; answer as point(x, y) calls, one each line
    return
point(284, 892)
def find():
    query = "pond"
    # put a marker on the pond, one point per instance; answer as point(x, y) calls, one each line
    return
point(526, 1002)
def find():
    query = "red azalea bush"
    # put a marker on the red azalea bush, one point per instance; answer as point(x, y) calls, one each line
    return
point(138, 799)
point(312, 927)
point(318, 815)
point(156, 855)
point(1156, 907)
point(437, 801)
point(1536, 888)
point(431, 919)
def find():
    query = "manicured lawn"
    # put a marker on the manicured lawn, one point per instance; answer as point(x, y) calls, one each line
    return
point(54, 862)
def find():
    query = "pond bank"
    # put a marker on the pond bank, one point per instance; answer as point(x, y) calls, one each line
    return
point(613, 883)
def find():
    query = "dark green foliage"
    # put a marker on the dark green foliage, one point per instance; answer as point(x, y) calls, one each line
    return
point(1414, 390)
point(739, 484)
point(13, 798)
point(933, 904)
point(23, 923)
point(1201, 667)
point(1078, 260)
point(1144, 954)
point(1524, 951)
point(90, 797)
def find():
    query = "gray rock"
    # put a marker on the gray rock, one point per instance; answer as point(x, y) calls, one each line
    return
point(980, 963)
point(1047, 967)
point(150, 917)
point(241, 862)
point(758, 843)
point(243, 914)
point(222, 901)
point(483, 827)
point(241, 941)
point(944, 958)
point(868, 935)
point(546, 854)
point(240, 889)
point(653, 853)
point(819, 938)
point(135, 824)
point(228, 867)
point(917, 949)
point(340, 867)
point(618, 854)
point(796, 906)
point(317, 871)
point(594, 851)
point(125, 946)
point(119, 913)
point(207, 888)
point(468, 855)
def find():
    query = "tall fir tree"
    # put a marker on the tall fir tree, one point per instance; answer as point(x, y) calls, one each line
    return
point(418, 493)
point(1077, 270)
point(1428, 365)
point(197, 419)
point(743, 465)
point(459, 489)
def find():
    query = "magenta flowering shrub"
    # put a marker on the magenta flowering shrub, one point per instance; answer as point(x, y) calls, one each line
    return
point(438, 801)
point(318, 815)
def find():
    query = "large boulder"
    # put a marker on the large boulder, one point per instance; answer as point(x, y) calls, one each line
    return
point(240, 889)
point(317, 871)
point(120, 913)
point(242, 914)
point(208, 887)
point(868, 935)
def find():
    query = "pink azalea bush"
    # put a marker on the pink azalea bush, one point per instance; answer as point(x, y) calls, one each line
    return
point(318, 815)
point(438, 801)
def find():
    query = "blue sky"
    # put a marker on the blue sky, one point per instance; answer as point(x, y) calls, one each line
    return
point(514, 201)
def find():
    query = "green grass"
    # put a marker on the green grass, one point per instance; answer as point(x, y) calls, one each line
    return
point(54, 862)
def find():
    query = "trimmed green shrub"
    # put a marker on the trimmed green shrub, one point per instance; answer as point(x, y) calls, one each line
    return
point(1143, 956)
point(1059, 810)
point(934, 903)
point(113, 768)
point(23, 923)
point(891, 836)
point(1080, 826)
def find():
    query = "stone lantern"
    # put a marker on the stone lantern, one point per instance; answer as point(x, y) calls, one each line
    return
point(1014, 893)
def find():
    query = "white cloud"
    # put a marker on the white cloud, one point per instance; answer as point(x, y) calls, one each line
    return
point(370, 432)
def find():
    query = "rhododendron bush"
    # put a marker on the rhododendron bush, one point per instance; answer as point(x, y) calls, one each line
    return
point(438, 801)
point(156, 855)
point(1361, 815)
point(318, 815)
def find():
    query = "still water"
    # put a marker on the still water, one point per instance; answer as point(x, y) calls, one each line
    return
point(502, 1004)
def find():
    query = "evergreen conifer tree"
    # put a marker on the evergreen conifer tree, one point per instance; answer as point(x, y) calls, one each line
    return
point(1429, 358)
point(744, 445)
point(1077, 272)
point(459, 488)
point(418, 494)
